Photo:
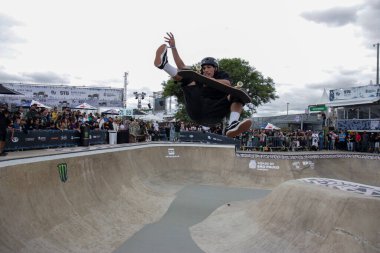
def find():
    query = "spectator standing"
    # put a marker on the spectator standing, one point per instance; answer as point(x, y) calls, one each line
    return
point(377, 143)
point(263, 138)
point(167, 132)
point(4, 124)
point(358, 140)
point(333, 138)
point(54, 114)
point(327, 141)
point(365, 142)
point(350, 141)
point(320, 140)
point(172, 131)
point(341, 140)
point(177, 131)
point(314, 141)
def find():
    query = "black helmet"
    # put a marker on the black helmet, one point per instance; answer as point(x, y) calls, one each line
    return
point(209, 61)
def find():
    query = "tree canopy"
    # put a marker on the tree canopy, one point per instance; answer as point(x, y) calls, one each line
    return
point(260, 88)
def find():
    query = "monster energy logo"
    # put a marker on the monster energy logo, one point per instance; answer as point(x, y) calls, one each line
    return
point(62, 170)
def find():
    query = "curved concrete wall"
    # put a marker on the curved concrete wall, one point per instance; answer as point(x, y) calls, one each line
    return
point(112, 193)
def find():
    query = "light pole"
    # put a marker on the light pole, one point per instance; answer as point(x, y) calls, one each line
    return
point(125, 89)
point(287, 108)
point(139, 96)
point(377, 69)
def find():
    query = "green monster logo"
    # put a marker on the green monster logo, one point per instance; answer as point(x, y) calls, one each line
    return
point(62, 170)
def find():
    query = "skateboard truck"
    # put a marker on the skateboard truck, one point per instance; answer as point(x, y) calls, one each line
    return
point(198, 68)
point(239, 84)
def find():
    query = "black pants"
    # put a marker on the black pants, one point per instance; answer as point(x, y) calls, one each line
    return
point(205, 110)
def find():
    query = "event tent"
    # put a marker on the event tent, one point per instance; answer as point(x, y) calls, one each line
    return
point(111, 112)
point(39, 104)
point(149, 117)
point(270, 126)
point(6, 91)
point(85, 106)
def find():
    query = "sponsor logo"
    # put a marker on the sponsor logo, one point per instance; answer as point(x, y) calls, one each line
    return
point(15, 139)
point(171, 153)
point(64, 137)
point(54, 138)
point(257, 165)
point(368, 190)
point(41, 138)
point(29, 139)
point(62, 171)
point(301, 165)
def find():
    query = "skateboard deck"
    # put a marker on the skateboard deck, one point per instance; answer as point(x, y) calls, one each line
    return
point(236, 92)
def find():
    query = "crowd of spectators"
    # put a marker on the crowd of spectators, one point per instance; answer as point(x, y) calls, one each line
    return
point(35, 118)
point(311, 140)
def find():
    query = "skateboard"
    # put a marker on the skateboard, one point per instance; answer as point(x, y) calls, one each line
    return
point(234, 91)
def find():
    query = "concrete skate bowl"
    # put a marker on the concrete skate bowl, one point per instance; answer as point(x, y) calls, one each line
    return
point(99, 200)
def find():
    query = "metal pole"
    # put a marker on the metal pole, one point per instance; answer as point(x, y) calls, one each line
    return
point(377, 69)
point(287, 108)
point(125, 89)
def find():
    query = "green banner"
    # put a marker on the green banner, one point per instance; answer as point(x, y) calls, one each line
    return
point(317, 108)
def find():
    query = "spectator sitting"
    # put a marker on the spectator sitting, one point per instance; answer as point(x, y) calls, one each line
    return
point(63, 124)
point(32, 113)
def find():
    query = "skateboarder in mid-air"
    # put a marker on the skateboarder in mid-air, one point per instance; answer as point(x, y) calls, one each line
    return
point(204, 104)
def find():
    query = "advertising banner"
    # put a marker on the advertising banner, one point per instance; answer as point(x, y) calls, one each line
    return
point(369, 91)
point(64, 95)
point(37, 139)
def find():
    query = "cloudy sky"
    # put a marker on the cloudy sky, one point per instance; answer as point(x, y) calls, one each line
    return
point(305, 46)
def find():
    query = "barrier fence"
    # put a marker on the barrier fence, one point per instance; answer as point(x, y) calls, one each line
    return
point(272, 143)
point(38, 139)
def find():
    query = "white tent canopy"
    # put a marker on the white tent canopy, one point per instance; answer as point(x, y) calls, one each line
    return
point(111, 112)
point(149, 117)
point(85, 106)
point(270, 126)
point(39, 104)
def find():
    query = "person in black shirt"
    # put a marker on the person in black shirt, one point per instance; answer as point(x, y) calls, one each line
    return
point(205, 105)
point(4, 124)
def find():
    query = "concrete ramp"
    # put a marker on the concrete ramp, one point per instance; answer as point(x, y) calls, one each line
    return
point(294, 218)
point(95, 199)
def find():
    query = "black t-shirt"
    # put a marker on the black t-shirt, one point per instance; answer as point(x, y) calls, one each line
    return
point(177, 127)
point(212, 93)
point(4, 122)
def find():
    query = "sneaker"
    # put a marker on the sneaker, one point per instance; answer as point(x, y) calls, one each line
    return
point(161, 56)
point(238, 127)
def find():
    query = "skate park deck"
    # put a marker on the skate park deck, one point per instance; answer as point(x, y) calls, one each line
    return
point(114, 195)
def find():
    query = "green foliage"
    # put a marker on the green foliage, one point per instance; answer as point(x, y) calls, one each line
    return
point(173, 88)
point(260, 88)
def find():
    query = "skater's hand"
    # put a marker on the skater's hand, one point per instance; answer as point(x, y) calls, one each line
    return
point(170, 40)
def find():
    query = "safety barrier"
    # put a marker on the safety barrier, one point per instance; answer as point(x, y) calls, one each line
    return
point(38, 139)
point(272, 143)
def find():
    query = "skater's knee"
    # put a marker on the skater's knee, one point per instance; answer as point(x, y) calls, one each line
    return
point(235, 100)
point(177, 78)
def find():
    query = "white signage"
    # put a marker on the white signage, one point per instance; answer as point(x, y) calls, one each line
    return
point(258, 165)
point(368, 91)
point(126, 112)
point(54, 95)
point(171, 153)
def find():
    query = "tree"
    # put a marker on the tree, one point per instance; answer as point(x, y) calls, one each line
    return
point(261, 89)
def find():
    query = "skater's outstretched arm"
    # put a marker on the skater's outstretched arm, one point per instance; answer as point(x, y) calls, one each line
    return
point(177, 59)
